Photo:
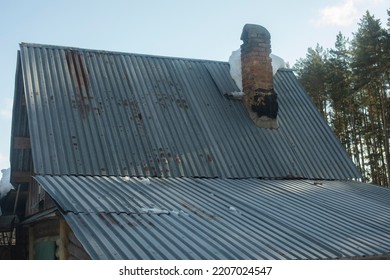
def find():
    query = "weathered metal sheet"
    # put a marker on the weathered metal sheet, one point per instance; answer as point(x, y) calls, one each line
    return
point(183, 218)
point(21, 159)
point(106, 113)
point(225, 84)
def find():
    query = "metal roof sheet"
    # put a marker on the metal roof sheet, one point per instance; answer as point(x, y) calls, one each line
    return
point(184, 218)
point(21, 159)
point(106, 113)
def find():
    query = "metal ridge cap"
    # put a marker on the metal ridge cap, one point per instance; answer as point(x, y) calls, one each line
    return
point(51, 46)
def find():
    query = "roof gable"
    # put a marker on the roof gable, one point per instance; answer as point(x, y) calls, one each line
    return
point(105, 113)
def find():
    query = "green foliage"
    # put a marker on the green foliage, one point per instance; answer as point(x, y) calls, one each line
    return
point(311, 71)
point(350, 86)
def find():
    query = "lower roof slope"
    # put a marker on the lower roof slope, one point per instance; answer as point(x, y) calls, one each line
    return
point(106, 113)
point(155, 218)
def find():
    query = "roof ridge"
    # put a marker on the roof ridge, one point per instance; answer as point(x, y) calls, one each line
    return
point(50, 46)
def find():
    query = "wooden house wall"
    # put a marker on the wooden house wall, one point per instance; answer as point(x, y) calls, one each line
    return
point(56, 230)
point(75, 249)
point(38, 200)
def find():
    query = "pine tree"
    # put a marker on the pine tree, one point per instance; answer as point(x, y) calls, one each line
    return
point(350, 85)
point(369, 71)
point(346, 118)
point(311, 71)
point(338, 76)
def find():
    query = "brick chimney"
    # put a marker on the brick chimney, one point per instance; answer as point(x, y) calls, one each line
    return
point(257, 78)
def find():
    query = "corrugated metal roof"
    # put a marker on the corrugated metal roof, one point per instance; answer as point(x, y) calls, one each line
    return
point(106, 113)
point(183, 218)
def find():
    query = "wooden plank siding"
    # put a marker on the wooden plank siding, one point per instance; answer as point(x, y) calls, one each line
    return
point(20, 177)
point(22, 143)
point(38, 199)
point(67, 246)
point(75, 249)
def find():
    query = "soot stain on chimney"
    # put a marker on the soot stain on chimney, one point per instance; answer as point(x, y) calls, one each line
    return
point(265, 103)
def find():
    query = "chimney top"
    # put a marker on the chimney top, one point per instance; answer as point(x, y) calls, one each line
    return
point(253, 31)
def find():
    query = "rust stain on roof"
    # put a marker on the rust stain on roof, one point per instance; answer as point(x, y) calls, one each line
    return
point(80, 77)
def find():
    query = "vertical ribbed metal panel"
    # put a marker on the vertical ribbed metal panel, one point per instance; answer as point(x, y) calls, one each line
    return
point(21, 159)
point(306, 130)
point(138, 218)
point(105, 113)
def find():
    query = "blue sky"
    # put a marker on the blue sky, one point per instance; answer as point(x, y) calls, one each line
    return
point(194, 29)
